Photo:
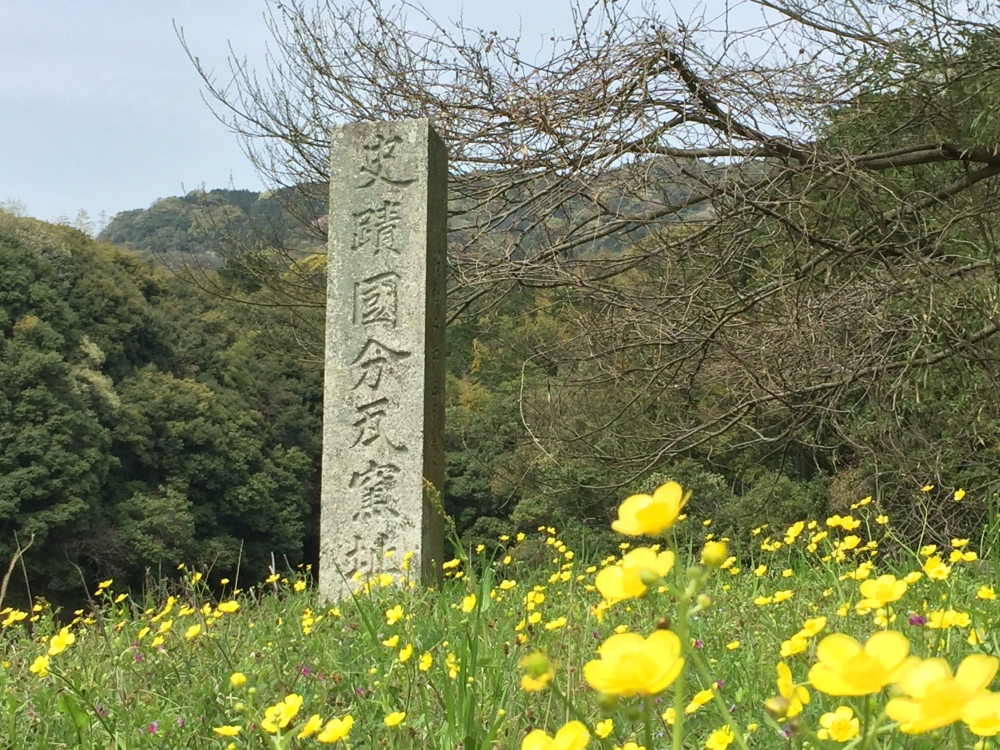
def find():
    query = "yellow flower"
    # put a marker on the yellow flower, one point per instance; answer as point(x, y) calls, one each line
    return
point(714, 554)
point(933, 698)
point(237, 679)
point(506, 585)
point(40, 666)
point(396, 717)
point(839, 726)
point(796, 696)
point(228, 607)
point(794, 645)
point(539, 671)
point(760, 570)
point(227, 730)
point(604, 728)
point(935, 569)
point(336, 729)
point(105, 584)
point(881, 520)
point(650, 515)
point(391, 642)
point(927, 488)
point(310, 728)
point(281, 713)
point(394, 615)
point(720, 739)
point(468, 603)
point(700, 699)
point(982, 714)
point(192, 632)
point(406, 652)
point(625, 580)
point(425, 661)
point(572, 736)
point(986, 592)
point(559, 622)
point(959, 495)
point(812, 627)
point(733, 645)
point(882, 590)
point(631, 665)
point(845, 667)
point(59, 642)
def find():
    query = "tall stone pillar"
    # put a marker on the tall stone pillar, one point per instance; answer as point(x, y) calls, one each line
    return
point(383, 410)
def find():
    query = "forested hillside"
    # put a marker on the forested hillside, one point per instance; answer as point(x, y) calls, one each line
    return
point(141, 424)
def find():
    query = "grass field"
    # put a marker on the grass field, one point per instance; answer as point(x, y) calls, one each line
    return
point(707, 647)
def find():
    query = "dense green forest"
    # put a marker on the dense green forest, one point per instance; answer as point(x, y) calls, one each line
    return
point(140, 424)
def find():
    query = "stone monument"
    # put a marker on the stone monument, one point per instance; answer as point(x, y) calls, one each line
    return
point(383, 408)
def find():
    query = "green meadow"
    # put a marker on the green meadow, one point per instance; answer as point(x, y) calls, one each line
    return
point(828, 634)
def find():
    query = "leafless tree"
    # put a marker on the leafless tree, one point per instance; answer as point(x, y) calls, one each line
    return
point(776, 221)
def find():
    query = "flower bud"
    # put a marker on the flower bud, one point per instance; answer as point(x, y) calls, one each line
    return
point(713, 554)
point(704, 600)
point(649, 577)
point(607, 702)
point(777, 707)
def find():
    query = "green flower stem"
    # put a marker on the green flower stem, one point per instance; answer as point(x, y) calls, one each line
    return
point(568, 703)
point(647, 719)
point(721, 704)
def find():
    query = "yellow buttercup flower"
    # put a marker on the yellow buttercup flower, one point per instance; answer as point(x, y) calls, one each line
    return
point(840, 726)
point(59, 642)
point(649, 515)
point(698, 700)
point(572, 736)
point(336, 729)
point(633, 665)
point(313, 725)
point(40, 666)
point(796, 696)
point(405, 653)
point(228, 607)
point(425, 661)
point(624, 580)
point(237, 679)
point(933, 697)
point(468, 603)
point(604, 728)
point(539, 671)
point(720, 739)
point(982, 714)
point(394, 615)
point(227, 730)
point(880, 591)
point(280, 714)
point(396, 717)
point(845, 667)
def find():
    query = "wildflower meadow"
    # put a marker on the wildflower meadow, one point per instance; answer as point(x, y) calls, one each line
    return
point(830, 633)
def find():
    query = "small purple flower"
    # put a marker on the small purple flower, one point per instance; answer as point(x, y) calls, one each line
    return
point(100, 710)
point(786, 731)
point(917, 620)
point(180, 721)
point(719, 684)
point(152, 728)
point(698, 643)
point(306, 671)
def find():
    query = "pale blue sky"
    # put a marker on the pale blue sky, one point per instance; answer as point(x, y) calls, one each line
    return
point(100, 108)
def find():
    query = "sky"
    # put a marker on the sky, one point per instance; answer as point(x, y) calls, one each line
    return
point(101, 110)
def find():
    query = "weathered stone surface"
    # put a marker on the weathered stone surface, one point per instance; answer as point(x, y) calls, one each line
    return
point(383, 412)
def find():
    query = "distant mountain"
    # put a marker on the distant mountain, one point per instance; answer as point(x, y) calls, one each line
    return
point(197, 228)
point(200, 227)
